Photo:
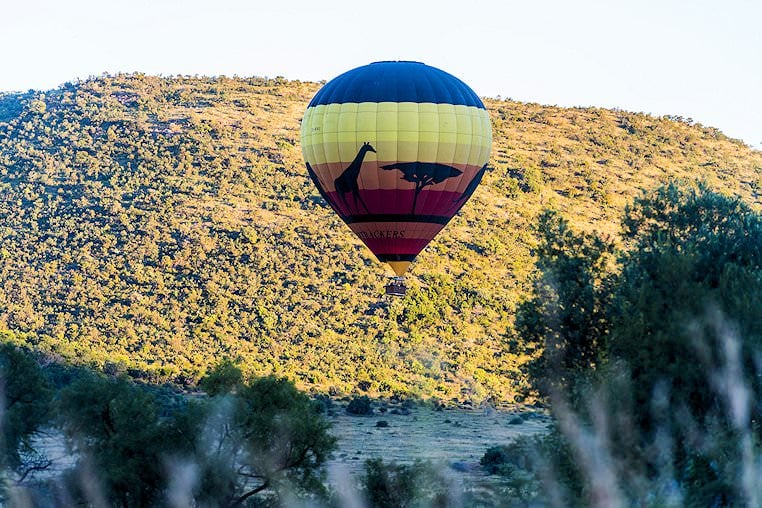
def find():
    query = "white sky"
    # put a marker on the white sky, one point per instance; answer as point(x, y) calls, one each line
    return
point(699, 59)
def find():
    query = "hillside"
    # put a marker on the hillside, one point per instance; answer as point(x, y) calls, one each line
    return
point(157, 225)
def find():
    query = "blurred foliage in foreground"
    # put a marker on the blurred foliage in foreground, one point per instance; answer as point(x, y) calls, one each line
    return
point(96, 440)
point(259, 443)
point(153, 226)
point(652, 360)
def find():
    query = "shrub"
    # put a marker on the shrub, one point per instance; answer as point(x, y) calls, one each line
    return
point(397, 485)
point(360, 406)
point(495, 458)
point(118, 433)
point(518, 453)
point(225, 377)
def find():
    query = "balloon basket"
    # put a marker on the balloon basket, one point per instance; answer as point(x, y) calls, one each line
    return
point(396, 287)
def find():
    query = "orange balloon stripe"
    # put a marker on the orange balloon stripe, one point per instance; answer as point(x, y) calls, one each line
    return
point(373, 177)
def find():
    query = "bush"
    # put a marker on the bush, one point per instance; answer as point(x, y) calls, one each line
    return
point(118, 432)
point(495, 458)
point(395, 485)
point(516, 420)
point(519, 453)
point(225, 377)
point(360, 406)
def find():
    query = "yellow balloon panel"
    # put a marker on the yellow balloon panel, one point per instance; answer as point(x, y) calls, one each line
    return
point(416, 130)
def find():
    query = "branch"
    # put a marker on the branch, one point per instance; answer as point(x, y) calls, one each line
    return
point(37, 467)
point(241, 499)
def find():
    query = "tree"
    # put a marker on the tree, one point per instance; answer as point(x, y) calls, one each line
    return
point(667, 348)
point(690, 282)
point(26, 408)
point(223, 378)
point(115, 427)
point(423, 174)
point(565, 317)
point(255, 443)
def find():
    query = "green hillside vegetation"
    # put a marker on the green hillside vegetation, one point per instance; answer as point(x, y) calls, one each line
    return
point(158, 225)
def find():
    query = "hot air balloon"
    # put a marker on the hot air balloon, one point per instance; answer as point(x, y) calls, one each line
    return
point(396, 148)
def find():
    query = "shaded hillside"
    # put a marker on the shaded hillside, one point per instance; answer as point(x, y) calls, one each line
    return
point(156, 225)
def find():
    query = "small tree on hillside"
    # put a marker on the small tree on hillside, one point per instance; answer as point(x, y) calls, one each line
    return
point(224, 378)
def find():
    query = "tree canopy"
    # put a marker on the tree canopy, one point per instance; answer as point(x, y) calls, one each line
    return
point(653, 361)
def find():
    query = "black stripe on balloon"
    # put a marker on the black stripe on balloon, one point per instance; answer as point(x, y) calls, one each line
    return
point(384, 258)
point(394, 217)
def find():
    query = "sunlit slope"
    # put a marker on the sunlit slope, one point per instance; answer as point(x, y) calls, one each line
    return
point(157, 225)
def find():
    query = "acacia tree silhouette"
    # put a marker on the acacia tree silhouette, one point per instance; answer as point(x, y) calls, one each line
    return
point(423, 174)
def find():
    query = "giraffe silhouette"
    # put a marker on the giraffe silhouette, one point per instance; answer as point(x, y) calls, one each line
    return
point(347, 181)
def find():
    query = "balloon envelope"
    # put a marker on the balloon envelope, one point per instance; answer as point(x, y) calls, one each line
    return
point(396, 148)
